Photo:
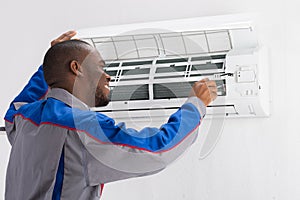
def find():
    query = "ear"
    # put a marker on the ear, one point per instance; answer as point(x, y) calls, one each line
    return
point(75, 68)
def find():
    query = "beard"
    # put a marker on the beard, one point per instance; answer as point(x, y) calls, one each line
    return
point(101, 99)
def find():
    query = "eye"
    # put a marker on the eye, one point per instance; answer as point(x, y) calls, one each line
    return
point(102, 68)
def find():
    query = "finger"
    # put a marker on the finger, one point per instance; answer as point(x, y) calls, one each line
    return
point(213, 89)
point(66, 35)
point(204, 80)
point(53, 42)
point(198, 84)
point(211, 83)
point(213, 95)
point(65, 38)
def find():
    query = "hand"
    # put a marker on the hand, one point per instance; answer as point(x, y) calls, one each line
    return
point(206, 90)
point(64, 37)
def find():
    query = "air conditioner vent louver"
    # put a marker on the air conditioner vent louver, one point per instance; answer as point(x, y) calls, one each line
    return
point(171, 69)
point(134, 92)
point(171, 90)
point(176, 60)
point(221, 56)
point(135, 71)
point(137, 63)
point(207, 66)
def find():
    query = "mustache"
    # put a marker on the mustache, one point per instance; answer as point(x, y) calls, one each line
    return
point(101, 99)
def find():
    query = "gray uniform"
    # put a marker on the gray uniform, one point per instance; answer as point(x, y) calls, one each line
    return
point(62, 150)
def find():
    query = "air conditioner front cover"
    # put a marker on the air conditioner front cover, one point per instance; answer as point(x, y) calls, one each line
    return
point(153, 66)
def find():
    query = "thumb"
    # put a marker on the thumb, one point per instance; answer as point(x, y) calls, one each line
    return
point(204, 80)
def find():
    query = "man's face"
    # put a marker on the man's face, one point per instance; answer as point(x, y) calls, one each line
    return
point(97, 79)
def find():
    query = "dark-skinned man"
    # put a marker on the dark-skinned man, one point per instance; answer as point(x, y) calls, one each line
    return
point(62, 150)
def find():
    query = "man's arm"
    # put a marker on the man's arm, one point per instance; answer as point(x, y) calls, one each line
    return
point(36, 89)
point(115, 152)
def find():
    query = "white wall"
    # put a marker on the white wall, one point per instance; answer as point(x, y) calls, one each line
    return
point(255, 159)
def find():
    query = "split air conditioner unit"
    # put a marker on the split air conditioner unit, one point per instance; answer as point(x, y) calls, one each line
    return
point(153, 66)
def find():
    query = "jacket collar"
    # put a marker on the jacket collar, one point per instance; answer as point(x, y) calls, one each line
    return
point(66, 97)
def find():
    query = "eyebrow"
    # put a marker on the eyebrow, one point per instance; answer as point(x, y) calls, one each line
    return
point(102, 62)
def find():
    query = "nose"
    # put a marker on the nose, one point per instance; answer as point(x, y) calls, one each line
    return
point(107, 77)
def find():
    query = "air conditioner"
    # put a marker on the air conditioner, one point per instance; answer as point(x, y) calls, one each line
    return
point(153, 66)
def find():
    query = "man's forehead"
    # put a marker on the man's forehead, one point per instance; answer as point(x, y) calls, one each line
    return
point(101, 61)
point(96, 55)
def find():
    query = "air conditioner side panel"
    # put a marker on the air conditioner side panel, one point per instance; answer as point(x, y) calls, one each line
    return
point(250, 94)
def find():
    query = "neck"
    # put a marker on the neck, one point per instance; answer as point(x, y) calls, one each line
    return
point(62, 87)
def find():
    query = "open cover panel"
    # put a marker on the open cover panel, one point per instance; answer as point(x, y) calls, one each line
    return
point(153, 66)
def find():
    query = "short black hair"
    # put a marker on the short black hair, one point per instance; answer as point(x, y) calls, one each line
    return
point(59, 56)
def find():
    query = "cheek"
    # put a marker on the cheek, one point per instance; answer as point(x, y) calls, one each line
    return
point(102, 86)
point(95, 79)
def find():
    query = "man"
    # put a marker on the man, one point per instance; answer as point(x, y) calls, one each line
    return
point(62, 150)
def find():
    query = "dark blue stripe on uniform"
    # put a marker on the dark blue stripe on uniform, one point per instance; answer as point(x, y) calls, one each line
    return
point(59, 178)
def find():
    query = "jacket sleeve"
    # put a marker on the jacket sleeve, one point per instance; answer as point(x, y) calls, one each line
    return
point(114, 152)
point(36, 89)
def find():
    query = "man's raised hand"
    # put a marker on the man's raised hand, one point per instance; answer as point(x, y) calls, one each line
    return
point(64, 37)
point(206, 90)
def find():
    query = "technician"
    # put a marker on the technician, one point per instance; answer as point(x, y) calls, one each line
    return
point(63, 151)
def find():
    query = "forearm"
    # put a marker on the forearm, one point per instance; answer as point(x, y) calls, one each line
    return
point(123, 153)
